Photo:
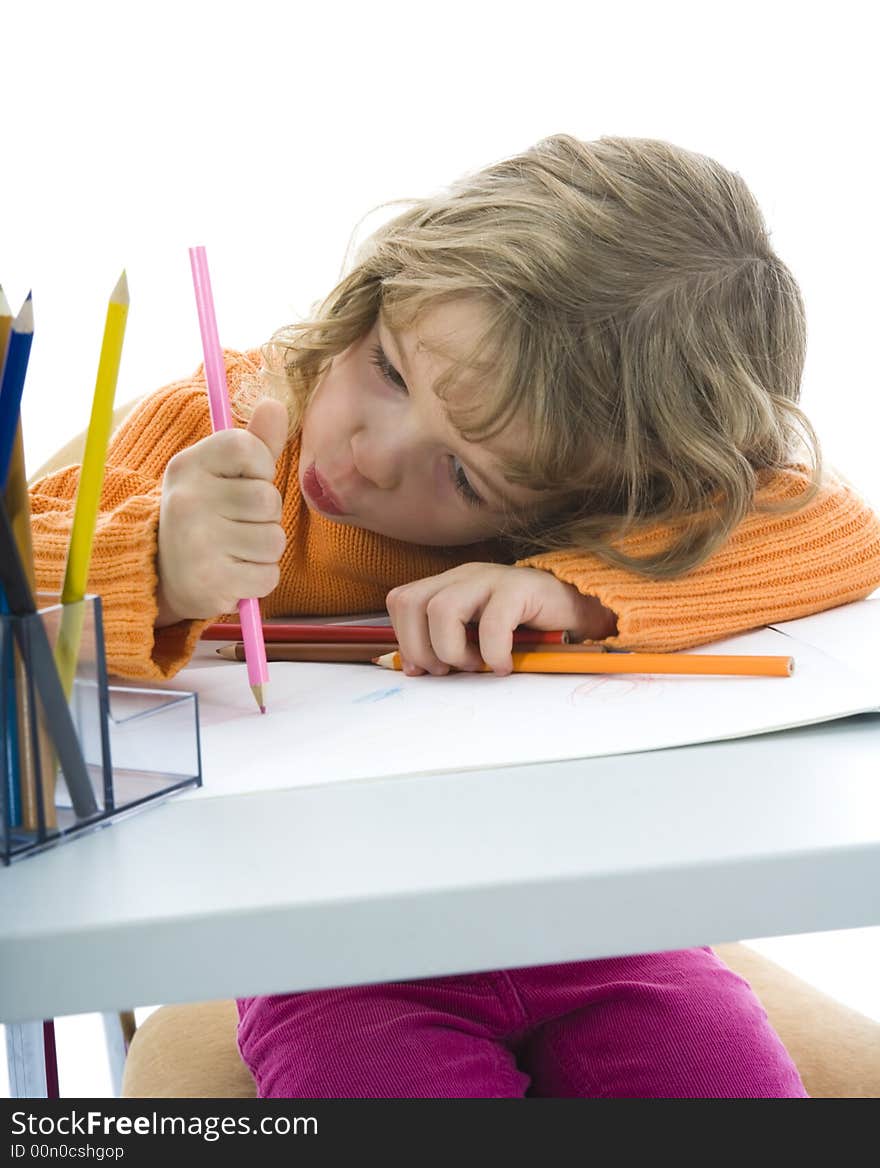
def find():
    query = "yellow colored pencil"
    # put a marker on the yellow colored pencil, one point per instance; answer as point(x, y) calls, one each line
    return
point(97, 437)
point(91, 479)
point(687, 663)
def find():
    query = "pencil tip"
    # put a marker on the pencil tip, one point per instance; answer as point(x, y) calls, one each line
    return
point(262, 709)
point(24, 322)
point(119, 295)
point(257, 691)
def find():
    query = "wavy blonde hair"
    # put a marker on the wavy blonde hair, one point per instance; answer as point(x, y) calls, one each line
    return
point(634, 316)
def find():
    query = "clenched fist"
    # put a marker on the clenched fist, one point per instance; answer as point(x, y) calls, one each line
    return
point(220, 535)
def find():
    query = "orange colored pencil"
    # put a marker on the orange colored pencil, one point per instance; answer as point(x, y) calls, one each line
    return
point(687, 663)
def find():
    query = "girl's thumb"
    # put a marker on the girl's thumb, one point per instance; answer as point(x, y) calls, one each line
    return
point(269, 424)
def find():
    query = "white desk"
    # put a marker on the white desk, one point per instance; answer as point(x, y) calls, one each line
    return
point(410, 877)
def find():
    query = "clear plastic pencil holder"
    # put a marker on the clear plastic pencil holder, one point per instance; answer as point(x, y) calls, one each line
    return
point(79, 752)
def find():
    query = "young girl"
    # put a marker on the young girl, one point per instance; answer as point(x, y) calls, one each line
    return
point(562, 393)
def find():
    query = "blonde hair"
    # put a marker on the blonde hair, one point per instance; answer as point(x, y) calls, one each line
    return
point(634, 316)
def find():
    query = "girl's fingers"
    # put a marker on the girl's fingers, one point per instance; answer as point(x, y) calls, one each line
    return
point(250, 580)
point(269, 424)
point(247, 500)
point(448, 612)
point(407, 609)
point(255, 543)
point(235, 454)
point(430, 619)
point(501, 615)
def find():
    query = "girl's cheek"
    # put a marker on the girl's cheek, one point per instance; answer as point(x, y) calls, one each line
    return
point(440, 482)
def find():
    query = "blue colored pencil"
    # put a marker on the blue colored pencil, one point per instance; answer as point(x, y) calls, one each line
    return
point(11, 759)
point(12, 385)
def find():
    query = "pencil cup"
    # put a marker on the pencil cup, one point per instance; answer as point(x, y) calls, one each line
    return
point(77, 751)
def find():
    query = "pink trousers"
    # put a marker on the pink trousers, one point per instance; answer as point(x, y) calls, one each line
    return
point(657, 1025)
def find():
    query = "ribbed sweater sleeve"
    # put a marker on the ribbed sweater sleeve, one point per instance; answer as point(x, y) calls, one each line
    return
point(776, 566)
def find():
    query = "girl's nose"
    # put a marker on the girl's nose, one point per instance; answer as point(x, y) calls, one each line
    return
point(379, 456)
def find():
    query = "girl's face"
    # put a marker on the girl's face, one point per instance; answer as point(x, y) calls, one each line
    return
point(379, 452)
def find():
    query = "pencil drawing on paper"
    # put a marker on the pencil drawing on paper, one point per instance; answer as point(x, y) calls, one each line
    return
point(607, 688)
point(378, 695)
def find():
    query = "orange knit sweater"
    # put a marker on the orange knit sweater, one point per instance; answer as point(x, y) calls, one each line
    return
point(775, 567)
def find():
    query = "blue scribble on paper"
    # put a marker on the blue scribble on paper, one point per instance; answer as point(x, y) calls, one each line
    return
point(379, 695)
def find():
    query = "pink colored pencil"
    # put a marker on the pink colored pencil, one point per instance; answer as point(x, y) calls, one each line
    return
point(221, 419)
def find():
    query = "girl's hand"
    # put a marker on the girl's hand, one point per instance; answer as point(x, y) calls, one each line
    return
point(429, 616)
point(220, 536)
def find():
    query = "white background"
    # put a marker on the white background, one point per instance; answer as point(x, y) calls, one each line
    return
point(266, 132)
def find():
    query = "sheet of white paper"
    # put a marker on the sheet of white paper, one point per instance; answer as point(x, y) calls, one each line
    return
point(850, 633)
point(328, 723)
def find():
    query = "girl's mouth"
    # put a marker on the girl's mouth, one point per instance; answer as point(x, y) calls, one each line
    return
point(318, 493)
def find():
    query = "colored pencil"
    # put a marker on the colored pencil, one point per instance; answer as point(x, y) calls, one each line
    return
point(358, 634)
point(27, 743)
point(35, 648)
point(91, 475)
point(10, 659)
point(13, 813)
point(312, 651)
point(221, 419)
point(686, 663)
point(37, 764)
point(367, 651)
point(91, 478)
point(12, 383)
point(5, 329)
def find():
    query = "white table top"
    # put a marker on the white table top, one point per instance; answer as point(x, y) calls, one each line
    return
point(429, 875)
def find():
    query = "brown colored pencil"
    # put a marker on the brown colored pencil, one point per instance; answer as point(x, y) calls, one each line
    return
point(18, 510)
point(314, 651)
point(687, 663)
point(340, 651)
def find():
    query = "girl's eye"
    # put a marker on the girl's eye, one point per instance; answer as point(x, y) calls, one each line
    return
point(378, 358)
point(459, 479)
point(462, 484)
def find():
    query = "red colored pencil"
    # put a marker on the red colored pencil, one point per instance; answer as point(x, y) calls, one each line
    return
point(348, 634)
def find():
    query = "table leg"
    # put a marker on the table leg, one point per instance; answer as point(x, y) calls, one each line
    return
point(31, 1058)
point(118, 1031)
